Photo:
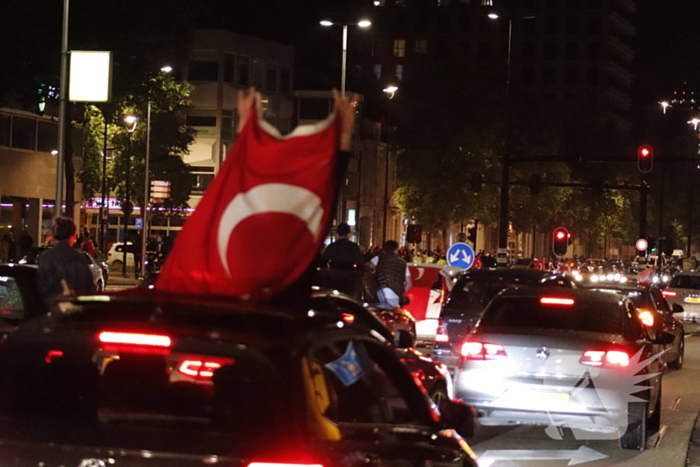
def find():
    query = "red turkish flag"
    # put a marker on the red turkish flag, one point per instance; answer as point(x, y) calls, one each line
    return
point(261, 221)
point(646, 276)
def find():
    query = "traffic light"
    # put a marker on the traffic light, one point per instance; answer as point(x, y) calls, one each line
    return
point(414, 233)
point(535, 184)
point(645, 158)
point(561, 241)
point(471, 235)
point(477, 182)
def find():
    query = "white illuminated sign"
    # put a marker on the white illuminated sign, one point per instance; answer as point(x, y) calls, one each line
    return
point(90, 76)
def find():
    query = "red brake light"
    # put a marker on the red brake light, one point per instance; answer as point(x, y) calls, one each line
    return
point(51, 354)
point(646, 317)
point(606, 359)
point(348, 318)
point(668, 293)
point(556, 301)
point(483, 351)
point(278, 464)
point(198, 368)
point(132, 338)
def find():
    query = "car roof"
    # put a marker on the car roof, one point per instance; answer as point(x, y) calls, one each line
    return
point(507, 275)
point(576, 294)
point(620, 288)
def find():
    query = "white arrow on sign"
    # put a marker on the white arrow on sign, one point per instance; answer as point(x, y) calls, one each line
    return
point(454, 257)
point(575, 457)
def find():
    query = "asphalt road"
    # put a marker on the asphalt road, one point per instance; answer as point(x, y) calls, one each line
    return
point(531, 446)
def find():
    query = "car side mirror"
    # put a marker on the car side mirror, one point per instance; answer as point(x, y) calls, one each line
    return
point(459, 416)
point(404, 339)
point(676, 308)
point(663, 338)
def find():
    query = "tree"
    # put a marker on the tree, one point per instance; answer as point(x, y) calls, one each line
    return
point(170, 139)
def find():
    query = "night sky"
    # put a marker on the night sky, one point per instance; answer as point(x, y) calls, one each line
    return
point(668, 35)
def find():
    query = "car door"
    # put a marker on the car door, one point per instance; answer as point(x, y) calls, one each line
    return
point(669, 323)
point(382, 417)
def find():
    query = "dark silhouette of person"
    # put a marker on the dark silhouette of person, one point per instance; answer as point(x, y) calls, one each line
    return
point(62, 268)
point(343, 253)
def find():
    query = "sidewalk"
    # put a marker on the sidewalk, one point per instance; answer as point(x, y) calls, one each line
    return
point(693, 456)
point(118, 282)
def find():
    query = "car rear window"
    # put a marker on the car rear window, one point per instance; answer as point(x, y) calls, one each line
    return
point(529, 312)
point(477, 294)
point(183, 401)
point(685, 282)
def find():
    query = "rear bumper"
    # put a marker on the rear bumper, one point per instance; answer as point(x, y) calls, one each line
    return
point(446, 357)
point(603, 422)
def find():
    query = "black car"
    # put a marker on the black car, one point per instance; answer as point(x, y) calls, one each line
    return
point(658, 315)
point(433, 375)
point(159, 379)
point(470, 295)
point(19, 294)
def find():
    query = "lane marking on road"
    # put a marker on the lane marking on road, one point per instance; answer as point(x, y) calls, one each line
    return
point(676, 403)
point(662, 432)
point(575, 456)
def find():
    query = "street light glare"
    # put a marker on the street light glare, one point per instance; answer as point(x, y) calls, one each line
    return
point(391, 89)
point(493, 16)
point(166, 69)
point(325, 22)
point(364, 23)
point(130, 119)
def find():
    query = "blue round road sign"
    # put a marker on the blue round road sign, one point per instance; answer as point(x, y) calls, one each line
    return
point(461, 255)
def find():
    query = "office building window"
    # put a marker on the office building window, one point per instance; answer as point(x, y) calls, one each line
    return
point(377, 70)
point(572, 51)
point(271, 77)
point(203, 71)
point(244, 71)
point(421, 47)
point(594, 50)
point(550, 50)
point(550, 25)
point(285, 79)
point(399, 48)
point(486, 2)
point(24, 133)
point(229, 68)
point(258, 78)
point(549, 76)
point(47, 136)
point(399, 72)
point(593, 77)
point(201, 121)
point(4, 130)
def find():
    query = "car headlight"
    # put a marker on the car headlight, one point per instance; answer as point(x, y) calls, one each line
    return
point(656, 279)
point(610, 277)
point(617, 276)
point(665, 278)
point(578, 277)
point(623, 279)
point(594, 278)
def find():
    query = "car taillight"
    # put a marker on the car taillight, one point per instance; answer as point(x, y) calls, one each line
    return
point(441, 335)
point(279, 464)
point(348, 318)
point(483, 351)
point(646, 317)
point(51, 354)
point(198, 368)
point(606, 359)
point(133, 338)
point(668, 293)
point(556, 301)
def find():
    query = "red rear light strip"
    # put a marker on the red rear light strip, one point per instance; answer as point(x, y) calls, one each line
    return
point(606, 359)
point(131, 338)
point(277, 464)
point(556, 301)
point(483, 351)
point(668, 293)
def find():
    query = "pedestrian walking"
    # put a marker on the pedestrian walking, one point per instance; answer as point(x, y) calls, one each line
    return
point(343, 253)
point(63, 269)
point(392, 274)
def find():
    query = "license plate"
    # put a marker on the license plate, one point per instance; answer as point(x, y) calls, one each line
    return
point(691, 300)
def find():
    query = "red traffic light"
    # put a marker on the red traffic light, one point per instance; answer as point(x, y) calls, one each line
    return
point(645, 158)
point(561, 241)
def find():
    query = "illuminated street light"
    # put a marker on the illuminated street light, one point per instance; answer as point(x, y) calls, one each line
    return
point(665, 105)
point(695, 122)
point(390, 91)
point(166, 69)
point(493, 16)
point(363, 24)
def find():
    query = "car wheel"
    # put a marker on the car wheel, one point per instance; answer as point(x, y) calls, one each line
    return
point(439, 395)
point(677, 364)
point(116, 264)
point(637, 429)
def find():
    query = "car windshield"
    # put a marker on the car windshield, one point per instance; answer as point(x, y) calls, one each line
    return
point(685, 282)
point(475, 292)
point(530, 312)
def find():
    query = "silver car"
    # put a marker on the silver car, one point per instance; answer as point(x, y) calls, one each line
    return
point(684, 290)
point(564, 358)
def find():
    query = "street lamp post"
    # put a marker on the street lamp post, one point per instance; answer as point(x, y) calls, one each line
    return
point(127, 206)
point(504, 216)
point(62, 111)
point(390, 91)
point(343, 71)
point(695, 121)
